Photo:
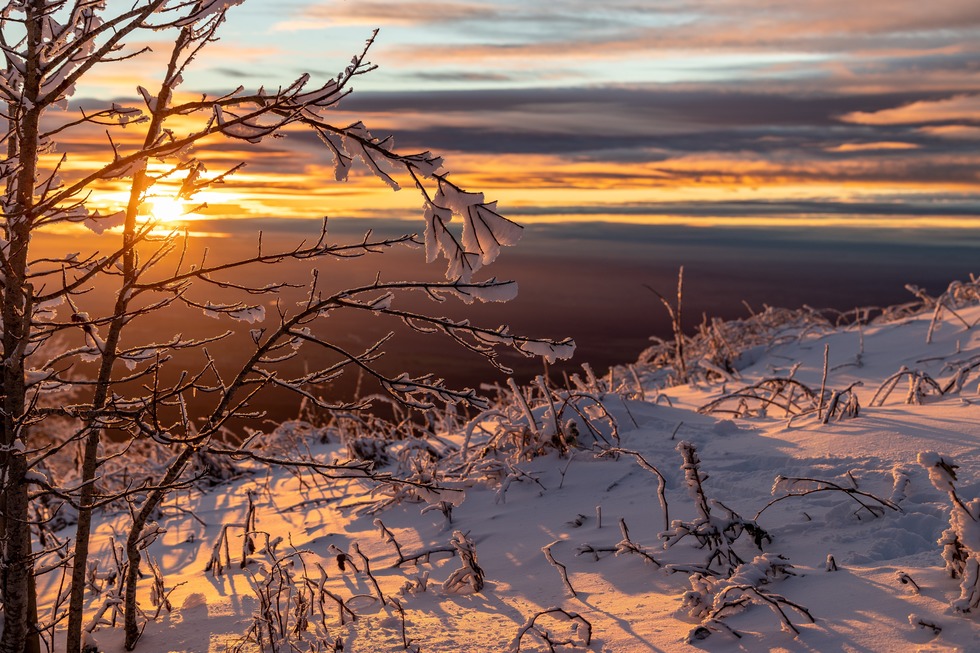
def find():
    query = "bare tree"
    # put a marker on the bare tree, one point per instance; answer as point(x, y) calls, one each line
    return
point(106, 377)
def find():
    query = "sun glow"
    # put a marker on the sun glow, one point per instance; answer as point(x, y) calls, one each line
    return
point(166, 209)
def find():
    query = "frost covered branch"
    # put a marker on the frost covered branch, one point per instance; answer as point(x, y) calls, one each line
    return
point(83, 388)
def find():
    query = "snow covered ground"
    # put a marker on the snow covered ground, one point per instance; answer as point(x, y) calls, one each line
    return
point(849, 559)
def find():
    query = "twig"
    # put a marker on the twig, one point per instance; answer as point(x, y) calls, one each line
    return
point(661, 481)
point(823, 380)
point(629, 546)
point(830, 486)
point(562, 569)
point(583, 631)
point(905, 579)
point(367, 572)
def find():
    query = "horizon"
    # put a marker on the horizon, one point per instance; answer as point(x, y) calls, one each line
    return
point(587, 281)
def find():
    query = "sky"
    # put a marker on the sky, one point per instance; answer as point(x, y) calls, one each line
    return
point(696, 112)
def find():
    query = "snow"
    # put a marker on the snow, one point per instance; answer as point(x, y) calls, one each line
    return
point(238, 312)
point(841, 519)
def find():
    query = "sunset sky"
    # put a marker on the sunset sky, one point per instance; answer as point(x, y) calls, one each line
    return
point(734, 138)
point(679, 111)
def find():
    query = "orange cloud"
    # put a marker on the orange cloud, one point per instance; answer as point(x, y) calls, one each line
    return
point(376, 13)
point(954, 132)
point(873, 147)
point(961, 107)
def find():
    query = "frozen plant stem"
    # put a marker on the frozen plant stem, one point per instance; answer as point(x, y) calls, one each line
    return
point(661, 481)
point(403, 559)
point(626, 545)
point(367, 572)
point(470, 572)
point(905, 579)
point(562, 569)
point(675, 322)
point(802, 487)
point(823, 381)
point(582, 635)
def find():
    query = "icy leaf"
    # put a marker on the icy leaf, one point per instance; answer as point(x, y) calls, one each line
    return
point(485, 231)
point(550, 351)
point(235, 312)
point(249, 314)
point(436, 218)
point(151, 102)
point(342, 158)
point(356, 138)
point(487, 291)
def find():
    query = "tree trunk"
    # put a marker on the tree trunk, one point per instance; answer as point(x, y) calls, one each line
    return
point(20, 606)
point(17, 578)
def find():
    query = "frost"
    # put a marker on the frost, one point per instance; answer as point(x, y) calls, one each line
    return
point(206, 9)
point(98, 223)
point(148, 98)
point(96, 346)
point(426, 163)
point(550, 351)
point(32, 476)
point(760, 570)
point(47, 310)
point(382, 303)
point(250, 314)
point(484, 230)
point(34, 377)
point(295, 343)
point(487, 291)
point(942, 473)
point(436, 218)
point(438, 239)
point(355, 138)
point(488, 230)
point(342, 158)
point(132, 358)
point(244, 130)
point(128, 115)
point(318, 96)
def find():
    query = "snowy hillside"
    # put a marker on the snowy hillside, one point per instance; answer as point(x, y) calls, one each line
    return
point(781, 532)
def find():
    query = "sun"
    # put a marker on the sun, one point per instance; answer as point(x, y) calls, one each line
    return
point(166, 209)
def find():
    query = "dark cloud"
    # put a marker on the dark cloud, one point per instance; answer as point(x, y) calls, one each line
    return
point(461, 76)
point(652, 136)
point(652, 124)
point(238, 73)
point(898, 208)
point(703, 106)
